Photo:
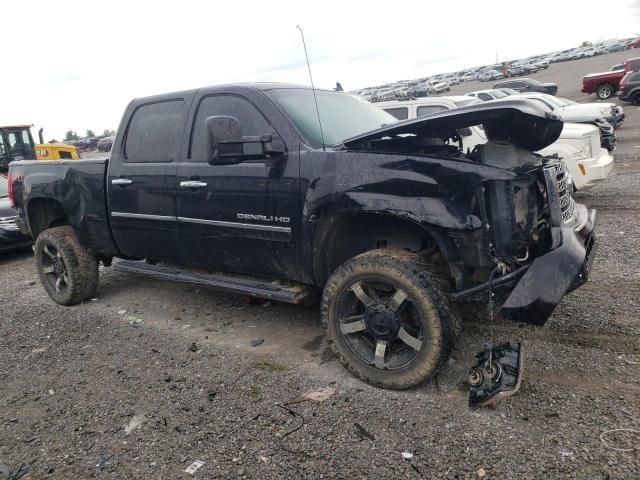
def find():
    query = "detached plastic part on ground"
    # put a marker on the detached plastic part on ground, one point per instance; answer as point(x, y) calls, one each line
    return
point(496, 375)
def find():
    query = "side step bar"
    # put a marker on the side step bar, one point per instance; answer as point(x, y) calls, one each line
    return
point(247, 286)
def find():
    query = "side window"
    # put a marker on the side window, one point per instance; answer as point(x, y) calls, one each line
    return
point(252, 122)
point(153, 132)
point(401, 113)
point(429, 109)
point(485, 96)
point(25, 138)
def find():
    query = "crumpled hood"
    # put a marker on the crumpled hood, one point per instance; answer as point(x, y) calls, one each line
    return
point(525, 123)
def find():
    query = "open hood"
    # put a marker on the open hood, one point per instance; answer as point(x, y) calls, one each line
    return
point(525, 123)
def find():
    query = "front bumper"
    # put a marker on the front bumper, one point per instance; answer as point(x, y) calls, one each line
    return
point(596, 170)
point(531, 293)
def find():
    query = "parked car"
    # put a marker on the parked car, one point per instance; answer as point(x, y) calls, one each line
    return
point(487, 95)
point(572, 111)
point(104, 144)
point(488, 75)
point(528, 85)
point(301, 217)
point(630, 88)
point(588, 115)
point(578, 145)
point(10, 237)
point(606, 84)
point(438, 86)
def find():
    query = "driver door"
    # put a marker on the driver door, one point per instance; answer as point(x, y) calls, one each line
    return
point(224, 219)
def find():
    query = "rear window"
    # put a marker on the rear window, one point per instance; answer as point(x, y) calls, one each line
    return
point(633, 64)
point(429, 109)
point(153, 132)
point(401, 113)
point(632, 77)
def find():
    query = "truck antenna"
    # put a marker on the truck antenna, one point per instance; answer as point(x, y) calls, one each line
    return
point(315, 98)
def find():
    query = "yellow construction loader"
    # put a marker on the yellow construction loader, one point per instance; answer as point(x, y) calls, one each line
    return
point(16, 143)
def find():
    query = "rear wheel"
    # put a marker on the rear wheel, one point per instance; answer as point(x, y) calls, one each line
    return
point(387, 316)
point(605, 91)
point(68, 271)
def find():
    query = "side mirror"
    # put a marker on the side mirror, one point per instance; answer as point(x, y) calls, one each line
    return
point(227, 146)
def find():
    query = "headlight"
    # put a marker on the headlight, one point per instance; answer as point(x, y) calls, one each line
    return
point(586, 146)
point(604, 111)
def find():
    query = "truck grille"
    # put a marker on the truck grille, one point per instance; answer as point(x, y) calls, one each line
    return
point(8, 223)
point(562, 208)
point(565, 189)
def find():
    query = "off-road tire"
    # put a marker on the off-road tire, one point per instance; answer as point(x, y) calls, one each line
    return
point(427, 286)
point(605, 91)
point(80, 264)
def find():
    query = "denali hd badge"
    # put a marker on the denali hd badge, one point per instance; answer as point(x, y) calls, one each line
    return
point(263, 218)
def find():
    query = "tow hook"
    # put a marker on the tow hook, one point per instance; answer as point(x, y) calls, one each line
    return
point(496, 375)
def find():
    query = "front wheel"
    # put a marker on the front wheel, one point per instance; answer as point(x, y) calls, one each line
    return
point(68, 271)
point(388, 318)
point(604, 91)
point(635, 99)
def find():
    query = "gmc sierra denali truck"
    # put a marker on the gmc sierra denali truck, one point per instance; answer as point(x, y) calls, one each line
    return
point(391, 224)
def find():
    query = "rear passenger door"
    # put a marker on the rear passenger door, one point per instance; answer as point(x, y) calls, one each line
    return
point(141, 181)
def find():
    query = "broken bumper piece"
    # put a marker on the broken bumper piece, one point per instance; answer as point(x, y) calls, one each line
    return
point(496, 375)
point(531, 293)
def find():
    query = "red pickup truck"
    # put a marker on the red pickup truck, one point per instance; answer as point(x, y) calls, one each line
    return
point(606, 84)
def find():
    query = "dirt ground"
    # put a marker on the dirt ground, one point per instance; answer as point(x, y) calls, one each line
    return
point(151, 376)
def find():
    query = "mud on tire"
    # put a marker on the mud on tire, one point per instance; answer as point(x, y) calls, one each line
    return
point(388, 318)
point(68, 271)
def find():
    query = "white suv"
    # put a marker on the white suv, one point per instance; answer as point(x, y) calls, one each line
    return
point(578, 145)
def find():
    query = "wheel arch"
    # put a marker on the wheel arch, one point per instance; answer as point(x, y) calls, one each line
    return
point(343, 236)
point(43, 213)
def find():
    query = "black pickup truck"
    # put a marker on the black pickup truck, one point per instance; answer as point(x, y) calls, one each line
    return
point(390, 224)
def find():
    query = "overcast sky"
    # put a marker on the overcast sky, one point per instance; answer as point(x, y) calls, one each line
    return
point(76, 64)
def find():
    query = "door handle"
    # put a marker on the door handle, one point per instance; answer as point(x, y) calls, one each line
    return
point(121, 181)
point(193, 184)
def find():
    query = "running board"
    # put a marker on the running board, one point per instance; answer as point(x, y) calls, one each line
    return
point(248, 286)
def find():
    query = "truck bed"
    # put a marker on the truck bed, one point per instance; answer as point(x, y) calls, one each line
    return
point(74, 189)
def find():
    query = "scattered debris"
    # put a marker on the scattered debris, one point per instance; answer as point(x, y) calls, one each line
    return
point(135, 321)
point(496, 375)
point(563, 451)
point(316, 395)
point(121, 312)
point(407, 455)
point(211, 395)
point(51, 391)
point(104, 460)
point(270, 367)
point(191, 469)
point(94, 299)
point(481, 472)
point(31, 282)
point(135, 422)
point(633, 431)
point(362, 432)
point(263, 459)
point(193, 347)
point(257, 342)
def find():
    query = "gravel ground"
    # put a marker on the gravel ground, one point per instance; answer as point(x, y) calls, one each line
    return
point(150, 376)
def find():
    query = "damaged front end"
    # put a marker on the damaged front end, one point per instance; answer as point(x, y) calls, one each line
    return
point(525, 243)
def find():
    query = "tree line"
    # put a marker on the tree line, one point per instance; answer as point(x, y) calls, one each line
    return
point(73, 135)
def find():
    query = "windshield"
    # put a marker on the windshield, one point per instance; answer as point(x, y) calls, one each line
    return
point(462, 103)
point(560, 102)
point(343, 116)
point(4, 187)
point(497, 94)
